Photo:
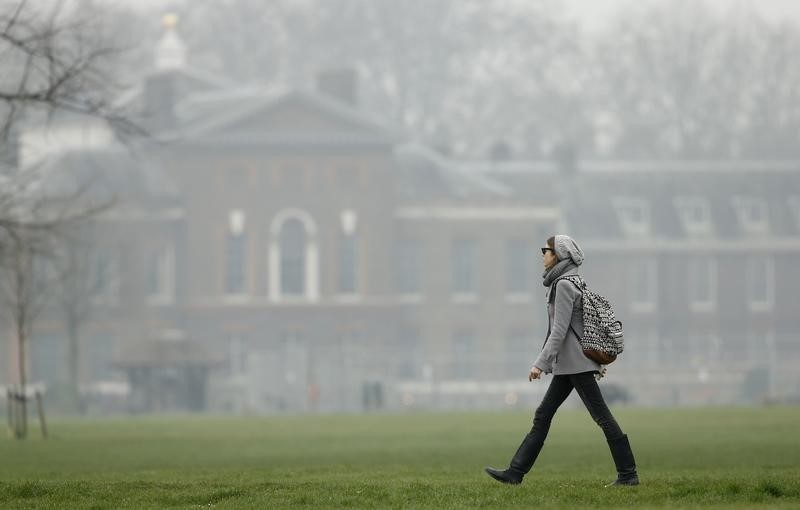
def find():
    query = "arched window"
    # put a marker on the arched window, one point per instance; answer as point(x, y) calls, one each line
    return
point(293, 258)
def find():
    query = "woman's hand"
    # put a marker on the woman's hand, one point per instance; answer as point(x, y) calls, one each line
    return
point(536, 373)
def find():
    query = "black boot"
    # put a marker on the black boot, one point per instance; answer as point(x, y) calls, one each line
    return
point(623, 459)
point(521, 463)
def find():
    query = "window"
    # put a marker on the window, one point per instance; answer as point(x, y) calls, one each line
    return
point(642, 285)
point(752, 214)
point(348, 254)
point(760, 283)
point(293, 258)
point(408, 266)
point(105, 278)
point(695, 214)
point(633, 214)
point(464, 277)
point(702, 283)
point(519, 258)
point(235, 255)
point(464, 356)
point(161, 275)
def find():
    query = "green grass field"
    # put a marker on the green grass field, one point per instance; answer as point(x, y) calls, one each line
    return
point(706, 458)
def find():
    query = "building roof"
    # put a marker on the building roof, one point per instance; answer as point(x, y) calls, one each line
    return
point(597, 196)
point(422, 173)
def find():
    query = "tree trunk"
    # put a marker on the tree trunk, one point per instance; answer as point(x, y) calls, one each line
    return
point(22, 429)
point(74, 359)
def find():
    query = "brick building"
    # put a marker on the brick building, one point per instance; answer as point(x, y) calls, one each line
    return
point(306, 257)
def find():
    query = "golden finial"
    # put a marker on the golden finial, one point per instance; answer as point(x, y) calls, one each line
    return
point(169, 20)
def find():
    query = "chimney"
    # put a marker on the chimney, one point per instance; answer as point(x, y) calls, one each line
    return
point(339, 84)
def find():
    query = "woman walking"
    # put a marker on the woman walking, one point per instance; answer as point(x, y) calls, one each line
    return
point(563, 356)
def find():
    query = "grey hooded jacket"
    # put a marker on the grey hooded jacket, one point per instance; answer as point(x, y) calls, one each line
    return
point(562, 353)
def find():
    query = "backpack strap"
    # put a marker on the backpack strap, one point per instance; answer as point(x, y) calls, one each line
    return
point(553, 297)
point(571, 279)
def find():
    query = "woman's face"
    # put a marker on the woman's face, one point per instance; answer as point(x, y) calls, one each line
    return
point(549, 258)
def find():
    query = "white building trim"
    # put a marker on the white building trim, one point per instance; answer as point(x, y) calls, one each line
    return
point(708, 275)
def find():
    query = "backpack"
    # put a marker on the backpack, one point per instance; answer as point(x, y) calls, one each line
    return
point(602, 338)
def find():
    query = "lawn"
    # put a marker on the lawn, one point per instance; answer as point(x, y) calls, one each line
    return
point(700, 458)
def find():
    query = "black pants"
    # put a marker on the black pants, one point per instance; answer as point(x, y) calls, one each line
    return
point(560, 388)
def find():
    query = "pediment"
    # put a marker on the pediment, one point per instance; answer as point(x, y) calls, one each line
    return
point(292, 114)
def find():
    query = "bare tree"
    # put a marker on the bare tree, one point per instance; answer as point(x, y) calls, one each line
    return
point(73, 295)
point(23, 284)
point(36, 245)
point(56, 59)
point(449, 72)
point(682, 81)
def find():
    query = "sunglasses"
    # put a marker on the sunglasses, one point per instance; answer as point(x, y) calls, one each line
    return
point(545, 250)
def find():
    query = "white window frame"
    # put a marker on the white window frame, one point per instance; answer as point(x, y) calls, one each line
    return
point(166, 275)
point(743, 206)
point(469, 296)
point(651, 272)
point(768, 262)
point(710, 304)
point(624, 207)
point(684, 206)
point(109, 295)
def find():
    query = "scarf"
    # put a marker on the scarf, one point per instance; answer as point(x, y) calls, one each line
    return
point(554, 272)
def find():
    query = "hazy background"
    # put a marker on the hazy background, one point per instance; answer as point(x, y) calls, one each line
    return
point(664, 134)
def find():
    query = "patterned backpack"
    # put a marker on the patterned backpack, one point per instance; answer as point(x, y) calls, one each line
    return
point(602, 338)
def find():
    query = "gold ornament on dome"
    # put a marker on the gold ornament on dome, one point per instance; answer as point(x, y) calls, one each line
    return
point(169, 21)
